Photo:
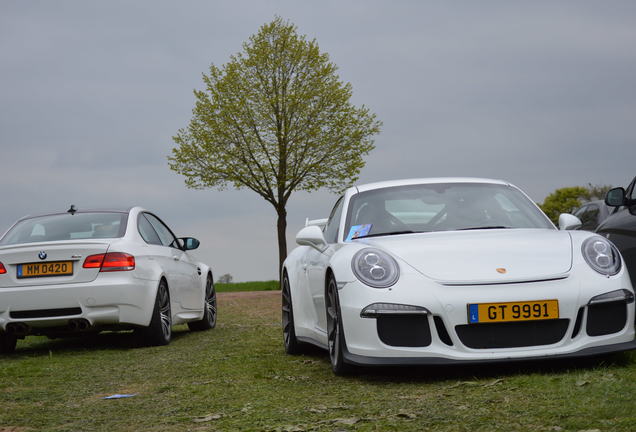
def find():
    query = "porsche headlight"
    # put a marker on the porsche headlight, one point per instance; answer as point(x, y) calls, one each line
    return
point(601, 255)
point(375, 268)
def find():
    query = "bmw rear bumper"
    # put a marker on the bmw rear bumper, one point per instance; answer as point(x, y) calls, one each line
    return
point(111, 299)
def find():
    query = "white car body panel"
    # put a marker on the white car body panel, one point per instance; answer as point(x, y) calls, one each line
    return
point(527, 254)
point(445, 271)
point(122, 298)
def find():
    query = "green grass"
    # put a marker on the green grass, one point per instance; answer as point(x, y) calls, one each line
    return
point(237, 377)
point(271, 285)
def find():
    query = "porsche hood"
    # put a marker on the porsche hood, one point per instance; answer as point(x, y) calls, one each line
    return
point(483, 256)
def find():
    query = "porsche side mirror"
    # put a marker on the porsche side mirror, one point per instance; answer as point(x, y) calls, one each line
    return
point(569, 222)
point(615, 197)
point(189, 243)
point(312, 236)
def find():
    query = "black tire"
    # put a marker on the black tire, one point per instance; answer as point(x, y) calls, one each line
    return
point(209, 315)
point(7, 343)
point(335, 334)
point(292, 346)
point(159, 332)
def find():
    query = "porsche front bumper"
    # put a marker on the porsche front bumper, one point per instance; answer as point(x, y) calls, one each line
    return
point(453, 340)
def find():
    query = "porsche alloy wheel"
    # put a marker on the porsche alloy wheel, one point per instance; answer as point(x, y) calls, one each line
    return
point(335, 335)
point(292, 346)
point(209, 315)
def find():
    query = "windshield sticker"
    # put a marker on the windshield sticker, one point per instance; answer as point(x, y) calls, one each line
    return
point(359, 231)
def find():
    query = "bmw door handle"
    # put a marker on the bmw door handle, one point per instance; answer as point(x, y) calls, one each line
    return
point(176, 258)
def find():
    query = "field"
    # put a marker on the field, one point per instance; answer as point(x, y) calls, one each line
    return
point(237, 377)
point(248, 286)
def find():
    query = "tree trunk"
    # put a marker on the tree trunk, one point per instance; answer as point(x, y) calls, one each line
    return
point(282, 238)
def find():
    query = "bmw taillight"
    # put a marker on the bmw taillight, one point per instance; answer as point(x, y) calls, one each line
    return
point(2, 269)
point(93, 261)
point(112, 261)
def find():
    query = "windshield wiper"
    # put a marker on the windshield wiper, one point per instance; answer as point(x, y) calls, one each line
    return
point(386, 234)
point(484, 227)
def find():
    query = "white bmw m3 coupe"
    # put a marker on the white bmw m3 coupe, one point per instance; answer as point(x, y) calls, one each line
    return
point(452, 271)
point(86, 271)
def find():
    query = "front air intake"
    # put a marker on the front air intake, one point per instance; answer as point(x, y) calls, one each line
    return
point(404, 330)
point(606, 318)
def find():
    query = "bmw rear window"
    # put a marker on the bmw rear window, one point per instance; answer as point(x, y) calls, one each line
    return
point(59, 227)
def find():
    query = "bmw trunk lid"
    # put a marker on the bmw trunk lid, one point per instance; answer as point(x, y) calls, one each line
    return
point(58, 262)
point(483, 256)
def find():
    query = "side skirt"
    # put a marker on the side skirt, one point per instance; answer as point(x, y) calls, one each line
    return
point(312, 341)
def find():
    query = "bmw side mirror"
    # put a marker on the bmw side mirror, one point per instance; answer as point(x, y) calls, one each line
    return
point(568, 221)
point(312, 236)
point(189, 243)
point(615, 197)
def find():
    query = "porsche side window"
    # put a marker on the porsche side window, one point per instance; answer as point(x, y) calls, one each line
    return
point(146, 231)
point(164, 233)
point(331, 230)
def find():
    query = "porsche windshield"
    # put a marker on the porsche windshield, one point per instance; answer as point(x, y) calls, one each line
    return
point(67, 227)
point(440, 207)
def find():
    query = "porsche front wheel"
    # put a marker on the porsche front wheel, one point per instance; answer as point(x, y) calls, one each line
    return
point(292, 346)
point(335, 334)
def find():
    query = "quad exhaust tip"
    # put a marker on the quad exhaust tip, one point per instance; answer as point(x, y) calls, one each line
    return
point(79, 324)
point(21, 329)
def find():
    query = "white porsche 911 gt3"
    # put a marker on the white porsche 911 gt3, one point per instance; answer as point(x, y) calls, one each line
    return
point(452, 270)
point(86, 271)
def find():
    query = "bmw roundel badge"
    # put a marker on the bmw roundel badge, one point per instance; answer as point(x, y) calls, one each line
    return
point(42, 255)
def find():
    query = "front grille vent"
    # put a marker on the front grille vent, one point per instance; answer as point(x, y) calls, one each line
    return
point(577, 323)
point(441, 331)
point(512, 334)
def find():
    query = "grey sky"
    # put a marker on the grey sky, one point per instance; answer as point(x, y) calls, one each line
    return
point(542, 94)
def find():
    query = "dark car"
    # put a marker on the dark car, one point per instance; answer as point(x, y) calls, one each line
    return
point(620, 226)
point(592, 214)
